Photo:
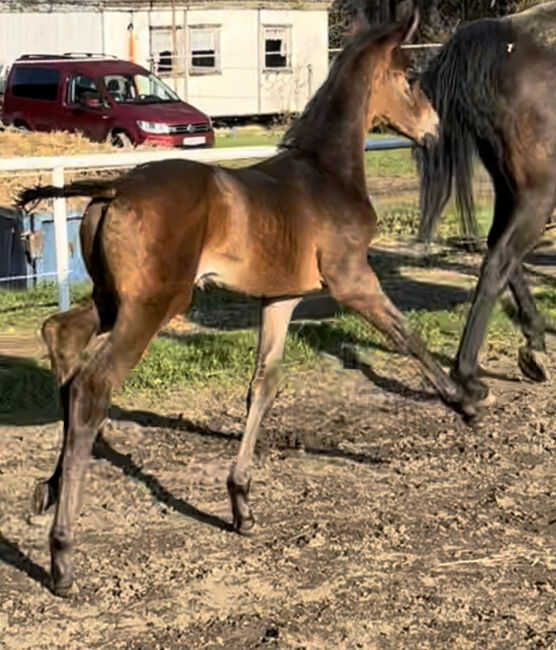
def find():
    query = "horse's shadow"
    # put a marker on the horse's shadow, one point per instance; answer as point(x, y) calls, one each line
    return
point(10, 554)
point(103, 450)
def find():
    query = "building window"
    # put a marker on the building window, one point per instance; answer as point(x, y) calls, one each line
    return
point(166, 62)
point(277, 47)
point(204, 48)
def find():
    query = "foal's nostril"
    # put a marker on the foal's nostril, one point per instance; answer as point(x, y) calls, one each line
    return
point(429, 139)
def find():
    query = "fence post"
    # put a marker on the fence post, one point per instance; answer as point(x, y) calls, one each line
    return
point(61, 241)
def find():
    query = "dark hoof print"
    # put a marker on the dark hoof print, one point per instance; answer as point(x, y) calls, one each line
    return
point(533, 364)
point(43, 497)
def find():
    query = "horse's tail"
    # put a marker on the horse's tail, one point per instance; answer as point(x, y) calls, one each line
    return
point(462, 83)
point(96, 189)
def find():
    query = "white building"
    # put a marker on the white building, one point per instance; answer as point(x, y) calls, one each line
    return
point(227, 57)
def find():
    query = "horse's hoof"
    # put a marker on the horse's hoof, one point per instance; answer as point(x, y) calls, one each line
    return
point(533, 364)
point(43, 497)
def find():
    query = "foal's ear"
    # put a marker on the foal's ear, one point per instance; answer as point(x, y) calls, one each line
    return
point(405, 29)
point(409, 25)
point(358, 23)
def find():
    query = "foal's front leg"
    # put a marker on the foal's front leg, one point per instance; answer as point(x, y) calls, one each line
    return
point(352, 282)
point(275, 317)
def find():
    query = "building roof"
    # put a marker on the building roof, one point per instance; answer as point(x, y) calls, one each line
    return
point(51, 6)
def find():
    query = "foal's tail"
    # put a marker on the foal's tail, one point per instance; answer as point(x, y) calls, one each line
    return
point(462, 83)
point(95, 189)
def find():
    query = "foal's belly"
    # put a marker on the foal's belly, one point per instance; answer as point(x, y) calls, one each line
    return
point(259, 277)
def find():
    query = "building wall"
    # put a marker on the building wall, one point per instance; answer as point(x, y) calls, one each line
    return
point(289, 91)
point(234, 90)
point(240, 87)
point(41, 33)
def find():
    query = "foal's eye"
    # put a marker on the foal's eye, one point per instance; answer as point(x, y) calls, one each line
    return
point(412, 77)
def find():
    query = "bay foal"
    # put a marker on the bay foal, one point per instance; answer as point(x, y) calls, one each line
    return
point(276, 230)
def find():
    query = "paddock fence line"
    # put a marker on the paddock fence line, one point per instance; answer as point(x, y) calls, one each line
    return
point(58, 165)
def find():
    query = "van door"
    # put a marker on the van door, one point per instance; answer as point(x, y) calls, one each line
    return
point(85, 109)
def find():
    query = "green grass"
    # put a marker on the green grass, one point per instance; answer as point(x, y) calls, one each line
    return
point(248, 139)
point(26, 309)
point(208, 359)
point(392, 162)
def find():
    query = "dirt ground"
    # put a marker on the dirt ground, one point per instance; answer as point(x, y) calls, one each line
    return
point(384, 521)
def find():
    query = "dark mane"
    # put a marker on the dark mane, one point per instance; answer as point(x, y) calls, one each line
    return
point(343, 88)
point(463, 84)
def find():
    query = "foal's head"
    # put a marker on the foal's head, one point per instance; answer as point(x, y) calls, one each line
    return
point(394, 98)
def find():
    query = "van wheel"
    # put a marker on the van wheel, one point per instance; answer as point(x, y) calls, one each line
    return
point(21, 127)
point(121, 140)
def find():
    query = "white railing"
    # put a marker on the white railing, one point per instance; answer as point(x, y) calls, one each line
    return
point(59, 164)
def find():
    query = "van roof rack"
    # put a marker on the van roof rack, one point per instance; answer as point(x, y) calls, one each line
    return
point(65, 55)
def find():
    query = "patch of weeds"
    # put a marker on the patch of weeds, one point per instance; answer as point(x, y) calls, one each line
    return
point(206, 359)
point(28, 308)
point(393, 162)
point(27, 392)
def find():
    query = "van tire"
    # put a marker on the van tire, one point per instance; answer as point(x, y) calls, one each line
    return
point(120, 139)
point(21, 127)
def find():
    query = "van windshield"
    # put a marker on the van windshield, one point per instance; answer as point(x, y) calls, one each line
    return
point(138, 89)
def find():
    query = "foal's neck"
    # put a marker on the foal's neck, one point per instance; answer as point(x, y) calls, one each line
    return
point(334, 126)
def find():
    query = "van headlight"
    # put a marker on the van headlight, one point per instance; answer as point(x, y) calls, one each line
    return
point(153, 127)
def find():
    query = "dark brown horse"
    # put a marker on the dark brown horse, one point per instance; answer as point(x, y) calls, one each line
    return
point(276, 230)
point(494, 87)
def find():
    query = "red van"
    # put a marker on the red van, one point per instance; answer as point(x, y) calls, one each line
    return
point(102, 97)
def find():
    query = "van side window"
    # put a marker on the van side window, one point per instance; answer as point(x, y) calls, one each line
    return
point(36, 83)
point(80, 87)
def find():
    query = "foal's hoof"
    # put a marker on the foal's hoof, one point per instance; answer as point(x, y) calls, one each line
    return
point(533, 364)
point(474, 396)
point(474, 410)
point(243, 521)
point(61, 570)
point(62, 589)
point(62, 578)
point(44, 496)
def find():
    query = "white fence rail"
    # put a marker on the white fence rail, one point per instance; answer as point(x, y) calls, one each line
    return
point(59, 164)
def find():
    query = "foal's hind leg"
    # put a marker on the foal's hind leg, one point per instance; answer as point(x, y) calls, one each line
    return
point(89, 391)
point(352, 282)
point(66, 335)
point(275, 317)
point(532, 356)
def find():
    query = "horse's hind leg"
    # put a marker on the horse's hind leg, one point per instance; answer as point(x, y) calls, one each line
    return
point(532, 356)
point(66, 335)
point(89, 391)
point(275, 317)
point(512, 234)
